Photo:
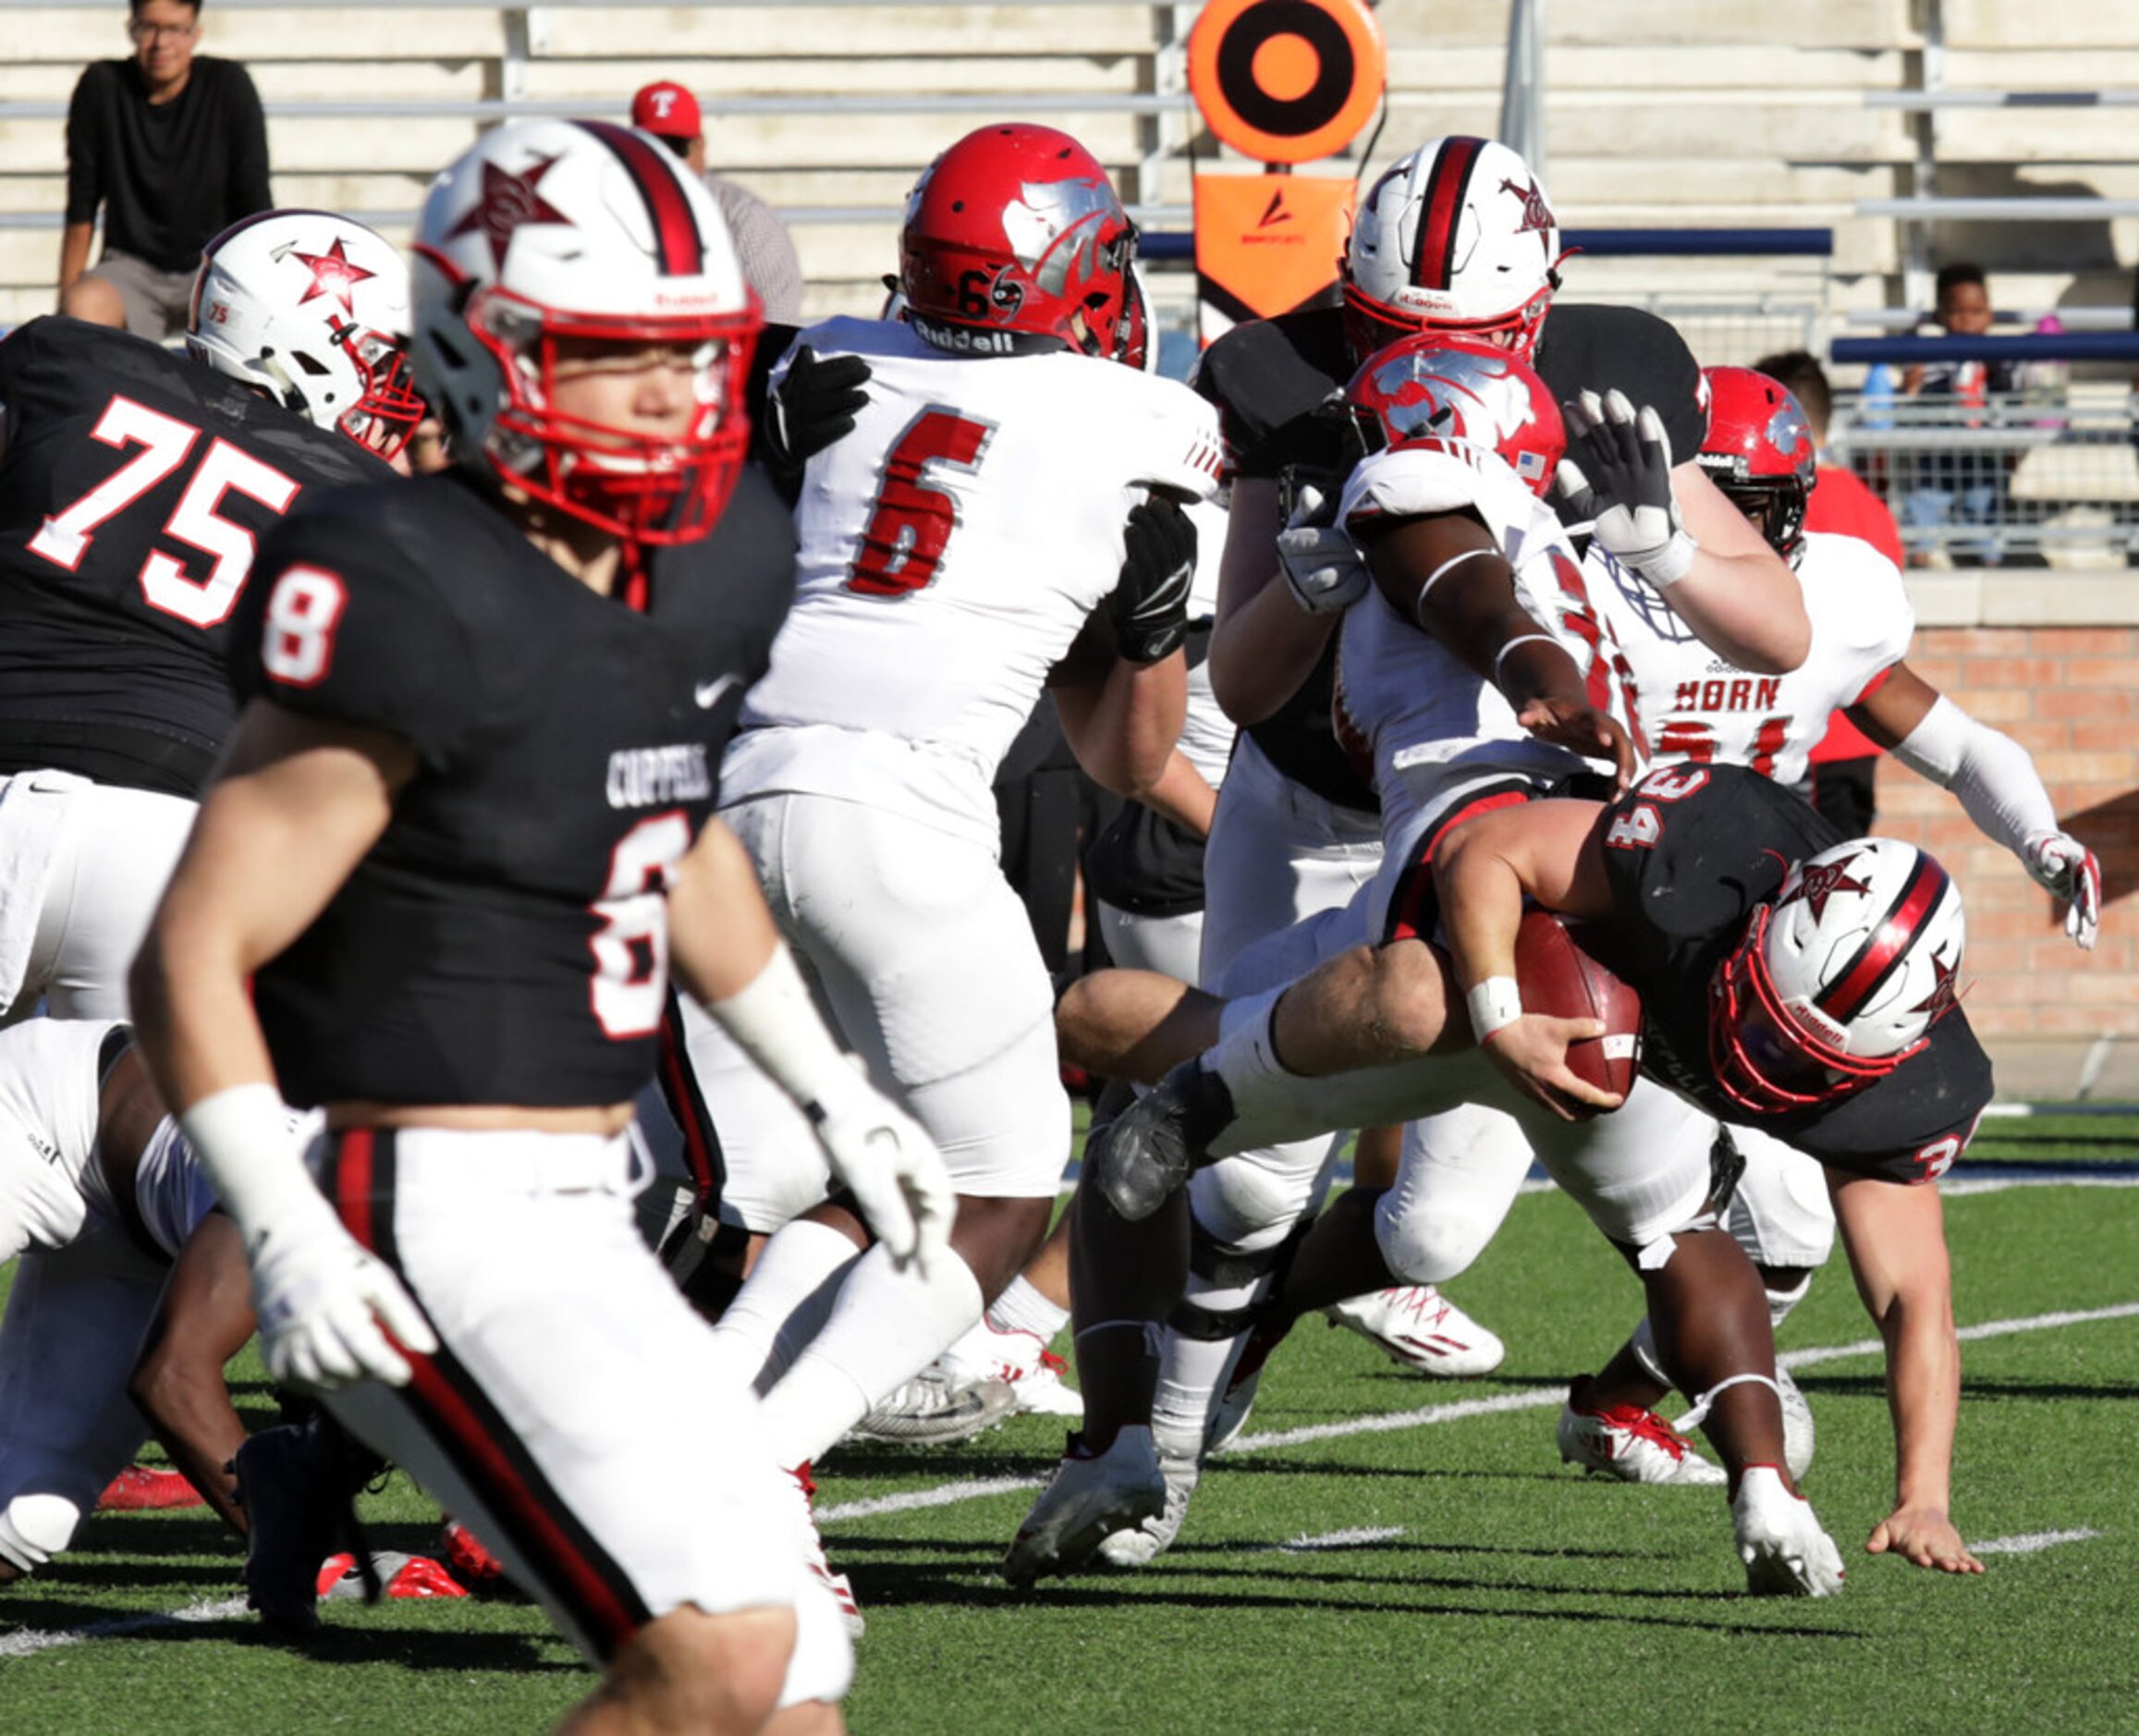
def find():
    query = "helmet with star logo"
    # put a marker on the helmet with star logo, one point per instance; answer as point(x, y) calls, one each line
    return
point(1455, 237)
point(312, 309)
point(571, 237)
point(1838, 981)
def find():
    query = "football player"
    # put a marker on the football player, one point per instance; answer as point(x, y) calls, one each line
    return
point(1006, 516)
point(461, 835)
point(134, 486)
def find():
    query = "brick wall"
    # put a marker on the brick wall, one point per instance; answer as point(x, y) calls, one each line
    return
point(2070, 695)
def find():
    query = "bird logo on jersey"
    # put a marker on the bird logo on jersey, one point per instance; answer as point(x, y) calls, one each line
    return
point(1822, 880)
point(333, 273)
point(508, 200)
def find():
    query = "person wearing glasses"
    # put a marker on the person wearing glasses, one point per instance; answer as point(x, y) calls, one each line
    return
point(172, 148)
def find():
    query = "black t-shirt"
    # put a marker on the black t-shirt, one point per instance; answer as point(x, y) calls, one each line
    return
point(133, 486)
point(1589, 349)
point(504, 941)
point(1700, 849)
point(172, 175)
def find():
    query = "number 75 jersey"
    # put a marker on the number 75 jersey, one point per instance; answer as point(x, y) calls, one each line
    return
point(954, 544)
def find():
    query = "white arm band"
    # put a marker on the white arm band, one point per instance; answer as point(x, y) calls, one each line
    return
point(1496, 1004)
point(248, 1146)
point(774, 1021)
point(1991, 773)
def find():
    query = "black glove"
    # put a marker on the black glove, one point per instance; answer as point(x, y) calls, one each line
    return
point(1618, 475)
point(813, 405)
point(1149, 606)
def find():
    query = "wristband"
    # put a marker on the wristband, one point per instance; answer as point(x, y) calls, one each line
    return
point(1526, 638)
point(1664, 567)
point(1435, 578)
point(774, 1021)
point(245, 1141)
point(1496, 1004)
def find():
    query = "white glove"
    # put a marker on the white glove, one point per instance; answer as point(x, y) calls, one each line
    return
point(894, 1172)
point(2068, 870)
point(1630, 509)
point(323, 1300)
point(1322, 565)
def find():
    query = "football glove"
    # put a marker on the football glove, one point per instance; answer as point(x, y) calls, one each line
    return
point(1322, 565)
point(330, 1313)
point(894, 1171)
point(2067, 869)
point(1150, 605)
point(813, 405)
point(1629, 505)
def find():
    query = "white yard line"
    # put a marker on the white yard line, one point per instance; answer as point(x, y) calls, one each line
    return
point(943, 1494)
point(1358, 1537)
point(23, 1644)
point(2030, 1543)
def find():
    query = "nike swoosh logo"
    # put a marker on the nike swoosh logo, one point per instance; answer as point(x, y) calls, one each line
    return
point(707, 693)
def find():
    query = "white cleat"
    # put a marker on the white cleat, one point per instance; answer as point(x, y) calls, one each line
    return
point(1143, 1544)
point(1092, 1496)
point(1628, 1442)
point(1023, 1363)
point(936, 1409)
point(1416, 1326)
point(1796, 1428)
point(1779, 1539)
point(801, 1491)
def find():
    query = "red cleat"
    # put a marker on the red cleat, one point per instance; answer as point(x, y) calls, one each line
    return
point(142, 1489)
point(399, 1576)
point(469, 1559)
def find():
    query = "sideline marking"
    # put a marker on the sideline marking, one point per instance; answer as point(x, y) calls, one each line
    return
point(22, 1644)
point(2029, 1543)
point(1358, 1537)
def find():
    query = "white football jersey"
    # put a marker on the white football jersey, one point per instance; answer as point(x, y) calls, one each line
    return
point(1696, 706)
point(1206, 732)
point(952, 547)
point(1430, 728)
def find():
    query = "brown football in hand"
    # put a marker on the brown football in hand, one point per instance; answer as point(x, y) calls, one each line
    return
point(1560, 978)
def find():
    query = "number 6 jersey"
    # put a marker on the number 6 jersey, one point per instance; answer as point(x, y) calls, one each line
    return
point(506, 940)
point(133, 485)
point(952, 547)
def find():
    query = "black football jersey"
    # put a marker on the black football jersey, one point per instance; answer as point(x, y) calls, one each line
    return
point(506, 940)
point(1687, 869)
point(134, 488)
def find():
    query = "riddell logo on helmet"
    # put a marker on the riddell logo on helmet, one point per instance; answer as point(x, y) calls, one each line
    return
point(972, 340)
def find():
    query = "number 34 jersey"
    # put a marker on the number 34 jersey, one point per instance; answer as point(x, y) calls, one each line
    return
point(133, 485)
point(506, 940)
point(951, 548)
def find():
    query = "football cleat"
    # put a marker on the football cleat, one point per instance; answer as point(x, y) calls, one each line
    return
point(1142, 1544)
point(394, 1575)
point(1628, 1442)
point(1416, 1326)
point(294, 1514)
point(1797, 1426)
point(1779, 1539)
point(469, 1559)
point(1229, 1414)
point(801, 1489)
point(144, 1489)
point(936, 1409)
point(1022, 1361)
point(1091, 1497)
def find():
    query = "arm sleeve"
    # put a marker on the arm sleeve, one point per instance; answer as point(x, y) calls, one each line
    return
point(248, 189)
point(1185, 455)
point(84, 165)
point(1988, 770)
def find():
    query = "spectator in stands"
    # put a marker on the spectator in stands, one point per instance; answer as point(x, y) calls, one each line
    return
point(670, 112)
point(1844, 762)
point(173, 147)
point(1968, 485)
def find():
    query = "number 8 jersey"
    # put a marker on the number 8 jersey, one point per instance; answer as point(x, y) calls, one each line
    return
point(951, 548)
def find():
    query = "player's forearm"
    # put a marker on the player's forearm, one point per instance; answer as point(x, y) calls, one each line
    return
point(1748, 608)
point(1183, 795)
point(193, 1018)
point(1990, 773)
point(1481, 906)
point(1261, 651)
point(189, 1408)
point(1123, 727)
point(74, 242)
point(1923, 1395)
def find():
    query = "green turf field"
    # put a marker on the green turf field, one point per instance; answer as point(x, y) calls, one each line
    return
point(1444, 1573)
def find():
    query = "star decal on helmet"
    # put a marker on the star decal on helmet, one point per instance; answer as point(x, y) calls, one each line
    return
point(333, 274)
point(1821, 881)
point(1941, 999)
point(1535, 214)
point(509, 200)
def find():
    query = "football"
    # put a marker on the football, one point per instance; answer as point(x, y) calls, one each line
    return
point(1558, 977)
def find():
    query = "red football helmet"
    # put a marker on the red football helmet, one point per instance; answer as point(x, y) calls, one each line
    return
point(1437, 390)
point(1014, 241)
point(1458, 237)
point(1759, 451)
point(1840, 981)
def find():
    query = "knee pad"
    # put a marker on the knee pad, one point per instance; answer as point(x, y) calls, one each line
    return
point(1424, 1247)
point(34, 1528)
point(1253, 1199)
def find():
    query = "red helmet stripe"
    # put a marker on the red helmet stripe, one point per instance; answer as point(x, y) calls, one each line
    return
point(1885, 946)
point(680, 246)
point(1446, 185)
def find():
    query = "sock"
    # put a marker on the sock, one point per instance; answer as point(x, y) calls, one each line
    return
point(1025, 1308)
point(886, 1326)
point(1781, 1301)
point(1229, 1280)
point(784, 1303)
point(1644, 1345)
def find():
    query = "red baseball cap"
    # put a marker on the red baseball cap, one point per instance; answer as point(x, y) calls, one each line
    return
point(667, 110)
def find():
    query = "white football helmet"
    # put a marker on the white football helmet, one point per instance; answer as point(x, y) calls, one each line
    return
point(1838, 981)
point(1456, 238)
point(550, 231)
point(311, 308)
